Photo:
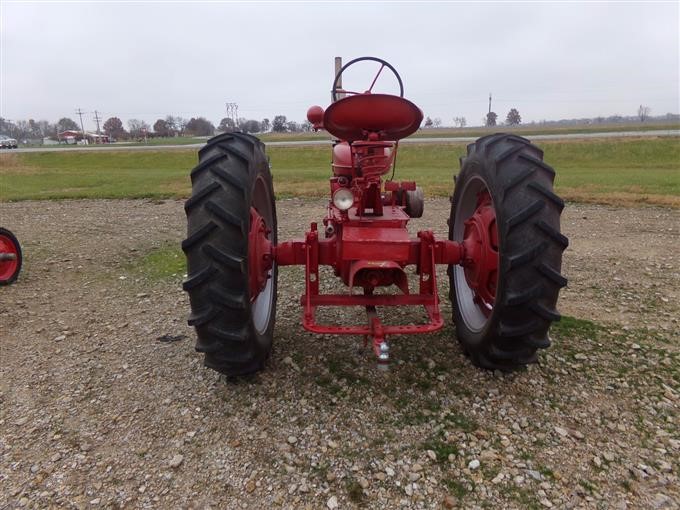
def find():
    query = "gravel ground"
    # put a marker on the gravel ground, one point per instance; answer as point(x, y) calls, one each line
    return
point(103, 401)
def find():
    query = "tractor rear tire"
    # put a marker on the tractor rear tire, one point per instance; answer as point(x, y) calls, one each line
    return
point(529, 244)
point(234, 329)
point(9, 270)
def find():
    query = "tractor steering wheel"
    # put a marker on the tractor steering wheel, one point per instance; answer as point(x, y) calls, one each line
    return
point(382, 63)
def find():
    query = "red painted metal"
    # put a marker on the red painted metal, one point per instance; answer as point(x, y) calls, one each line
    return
point(293, 253)
point(388, 117)
point(315, 117)
point(342, 160)
point(368, 246)
point(383, 273)
point(481, 252)
point(260, 256)
point(382, 254)
point(9, 261)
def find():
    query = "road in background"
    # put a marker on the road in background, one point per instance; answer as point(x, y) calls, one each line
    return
point(293, 143)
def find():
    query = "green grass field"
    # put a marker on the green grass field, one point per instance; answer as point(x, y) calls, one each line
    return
point(615, 171)
point(169, 140)
point(526, 130)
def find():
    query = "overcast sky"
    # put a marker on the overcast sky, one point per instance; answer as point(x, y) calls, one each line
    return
point(148, 60)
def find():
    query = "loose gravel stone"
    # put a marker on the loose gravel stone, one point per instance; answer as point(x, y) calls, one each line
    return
point(176, 461)
point(562, 431)
point(102, 416)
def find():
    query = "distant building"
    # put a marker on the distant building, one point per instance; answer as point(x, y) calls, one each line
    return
point(74, 137)
point(69, 137)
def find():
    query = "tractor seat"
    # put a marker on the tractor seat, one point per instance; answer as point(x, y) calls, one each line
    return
point(389, 117)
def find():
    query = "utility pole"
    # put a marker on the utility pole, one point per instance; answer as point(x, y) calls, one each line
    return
point(97, 118)
point(80, 112)
point(489, 102)
point(232, 113)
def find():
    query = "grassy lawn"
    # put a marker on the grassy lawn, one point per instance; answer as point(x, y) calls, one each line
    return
point(617, 171)
point(527, 130)
point(170, 140)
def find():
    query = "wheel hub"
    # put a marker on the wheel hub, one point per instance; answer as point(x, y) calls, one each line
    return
point(8, 258)
point(480, 241)
point(260, 259)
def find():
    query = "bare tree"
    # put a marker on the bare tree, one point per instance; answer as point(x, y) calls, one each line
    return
point(180, 124)
point(137, 128)
point(46, 128)
point(460, 122)
point(437, 122)
point(643, 112)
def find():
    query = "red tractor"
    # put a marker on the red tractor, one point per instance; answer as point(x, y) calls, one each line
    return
point(10, 257)
point(503, 252)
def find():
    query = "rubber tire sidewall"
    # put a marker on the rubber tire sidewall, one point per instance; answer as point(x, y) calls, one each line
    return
point(13, 277)
point(476, 169)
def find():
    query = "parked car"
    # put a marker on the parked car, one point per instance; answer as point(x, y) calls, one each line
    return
point(8, 143)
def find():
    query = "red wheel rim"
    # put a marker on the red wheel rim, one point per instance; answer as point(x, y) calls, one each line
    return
point(259, 254)
point(8, 267)
point(481, 252)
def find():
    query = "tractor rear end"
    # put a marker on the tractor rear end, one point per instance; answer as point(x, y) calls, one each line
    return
point(503, 252)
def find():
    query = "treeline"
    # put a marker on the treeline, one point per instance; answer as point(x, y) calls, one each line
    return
point(172, 126)
point(642, 116)
point(135, 129)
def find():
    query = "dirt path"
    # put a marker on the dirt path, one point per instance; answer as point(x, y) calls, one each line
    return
point(96, 409)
